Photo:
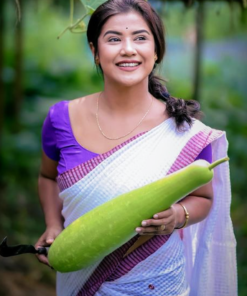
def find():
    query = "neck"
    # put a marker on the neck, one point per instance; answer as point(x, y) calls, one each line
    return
point(123, 99)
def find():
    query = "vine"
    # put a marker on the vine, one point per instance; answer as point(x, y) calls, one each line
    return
point(88, 7)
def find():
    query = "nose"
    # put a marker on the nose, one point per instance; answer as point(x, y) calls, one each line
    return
point(128, 48)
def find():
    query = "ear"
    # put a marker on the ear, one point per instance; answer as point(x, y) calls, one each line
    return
point(92, 48)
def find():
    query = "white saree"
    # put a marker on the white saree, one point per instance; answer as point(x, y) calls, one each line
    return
point(204, 261)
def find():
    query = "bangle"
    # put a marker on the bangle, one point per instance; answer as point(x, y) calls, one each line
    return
point(187, 216)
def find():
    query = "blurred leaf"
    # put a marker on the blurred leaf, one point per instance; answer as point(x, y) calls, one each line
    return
point(92, 4)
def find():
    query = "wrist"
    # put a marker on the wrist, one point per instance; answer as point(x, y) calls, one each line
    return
point(185, 215)
point(179, 214)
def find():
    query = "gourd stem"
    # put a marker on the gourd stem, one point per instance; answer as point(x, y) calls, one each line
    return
point(217, 162)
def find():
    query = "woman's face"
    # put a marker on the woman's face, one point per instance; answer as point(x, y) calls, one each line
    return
point(126, 49)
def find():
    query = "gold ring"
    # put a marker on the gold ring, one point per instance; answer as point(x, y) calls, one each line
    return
point(162, 227)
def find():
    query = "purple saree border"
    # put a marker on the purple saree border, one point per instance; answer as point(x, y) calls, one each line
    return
point(114, 265)
point(193, 147)
point(72, 176)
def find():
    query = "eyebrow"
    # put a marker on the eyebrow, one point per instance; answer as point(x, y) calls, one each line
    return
point(120, 34)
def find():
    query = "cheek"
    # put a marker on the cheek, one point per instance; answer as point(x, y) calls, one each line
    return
point(150, 59)
point(107, 51)
point(107, 60)
point(148, 53)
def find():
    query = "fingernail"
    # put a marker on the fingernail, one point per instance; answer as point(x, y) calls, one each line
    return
point(138, 229)
point(156, 216)
point(144, 223)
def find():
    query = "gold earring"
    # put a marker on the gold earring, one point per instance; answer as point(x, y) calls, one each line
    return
point(97, 61)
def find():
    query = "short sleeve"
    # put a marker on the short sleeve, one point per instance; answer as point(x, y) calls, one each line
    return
point(49, 139)
point(206, 154)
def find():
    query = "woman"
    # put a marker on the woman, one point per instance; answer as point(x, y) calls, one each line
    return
point(128, 135)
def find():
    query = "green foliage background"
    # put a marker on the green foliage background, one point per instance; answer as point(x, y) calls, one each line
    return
point(63, 69)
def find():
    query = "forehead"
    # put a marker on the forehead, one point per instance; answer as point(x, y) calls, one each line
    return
point(131, 20)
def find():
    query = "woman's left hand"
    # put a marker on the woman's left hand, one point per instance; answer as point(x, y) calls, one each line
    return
point(161, 224)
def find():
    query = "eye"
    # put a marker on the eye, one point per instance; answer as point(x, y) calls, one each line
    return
point(141, 38)
point(113, 39)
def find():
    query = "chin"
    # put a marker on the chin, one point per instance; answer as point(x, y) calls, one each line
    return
point(131, 81)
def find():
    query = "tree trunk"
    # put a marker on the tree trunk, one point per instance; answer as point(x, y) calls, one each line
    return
point(2, 94)
point(2, 99)
point(18, 89)
point(200, 15)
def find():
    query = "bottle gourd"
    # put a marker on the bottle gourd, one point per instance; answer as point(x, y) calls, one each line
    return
point(105, 228)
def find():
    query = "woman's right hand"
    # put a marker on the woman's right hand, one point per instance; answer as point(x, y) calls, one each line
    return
point(46, 239)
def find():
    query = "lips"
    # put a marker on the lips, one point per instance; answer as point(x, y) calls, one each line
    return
point(128, 64)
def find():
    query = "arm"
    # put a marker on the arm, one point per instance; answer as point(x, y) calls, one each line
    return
point(50, 203)
point(198, 204)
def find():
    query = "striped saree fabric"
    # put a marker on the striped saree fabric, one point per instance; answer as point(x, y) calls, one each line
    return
point(160, 266)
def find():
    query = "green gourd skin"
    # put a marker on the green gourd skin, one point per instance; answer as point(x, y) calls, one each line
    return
point(105, 228)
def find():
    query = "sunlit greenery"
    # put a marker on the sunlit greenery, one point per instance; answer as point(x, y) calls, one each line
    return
point(63, 69)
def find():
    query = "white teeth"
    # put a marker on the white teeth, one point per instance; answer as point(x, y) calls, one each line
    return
point(128, 64)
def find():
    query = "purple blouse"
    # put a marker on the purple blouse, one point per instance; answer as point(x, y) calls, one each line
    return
point(60, 145)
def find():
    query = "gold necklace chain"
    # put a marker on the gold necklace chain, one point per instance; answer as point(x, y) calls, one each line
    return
point(104, 135)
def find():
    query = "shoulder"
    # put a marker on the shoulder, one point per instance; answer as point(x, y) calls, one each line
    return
point(57, 108)
point(205, 132)
point(198, 124)
point(57, 117)
point(86, 101)
point(83, 106)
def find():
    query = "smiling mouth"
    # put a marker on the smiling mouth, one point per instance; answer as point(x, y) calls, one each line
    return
point(127, 65)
